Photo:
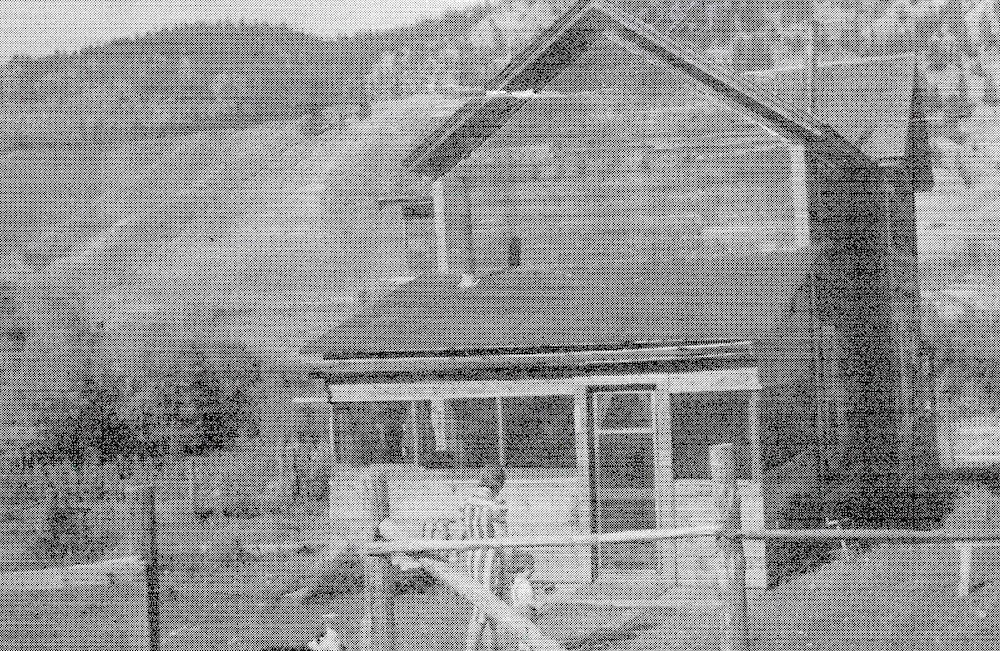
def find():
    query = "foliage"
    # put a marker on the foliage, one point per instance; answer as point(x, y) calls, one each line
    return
point(199, 75)
point(193, 402)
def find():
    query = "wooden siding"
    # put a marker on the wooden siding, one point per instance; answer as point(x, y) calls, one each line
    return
point(538, 502)
point(694, 507)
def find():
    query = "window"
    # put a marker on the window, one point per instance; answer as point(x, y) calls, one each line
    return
point(700, 420)
point(624, 425)
point(539, 432)
point(421, 250)
point(470, 429)
point(371, 432)
point(518, 432)
point(624, 410)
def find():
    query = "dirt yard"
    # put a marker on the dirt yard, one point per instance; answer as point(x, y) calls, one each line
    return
point(219, 597)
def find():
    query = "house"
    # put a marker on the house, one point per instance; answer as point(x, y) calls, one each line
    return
point(622, 254)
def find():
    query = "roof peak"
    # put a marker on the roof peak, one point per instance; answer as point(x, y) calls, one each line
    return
point(560, 45)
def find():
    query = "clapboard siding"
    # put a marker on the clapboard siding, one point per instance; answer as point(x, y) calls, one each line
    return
point(537, 505)
point(694, 507)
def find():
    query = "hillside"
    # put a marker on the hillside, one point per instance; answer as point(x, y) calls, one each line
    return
point(241, 215)
point(231, 246)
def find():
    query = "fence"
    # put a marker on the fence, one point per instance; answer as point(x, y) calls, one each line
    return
point(378, 627)
point(120, 528)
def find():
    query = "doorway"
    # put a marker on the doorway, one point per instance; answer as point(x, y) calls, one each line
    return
point(625, 442)
point(650, 447)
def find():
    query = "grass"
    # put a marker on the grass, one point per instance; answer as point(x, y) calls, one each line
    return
point(885, 597)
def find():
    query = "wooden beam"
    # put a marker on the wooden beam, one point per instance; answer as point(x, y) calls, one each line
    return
point(495, 608)
point(469, 360)
point(419, 546)
point(378, 630)
point(732, 565)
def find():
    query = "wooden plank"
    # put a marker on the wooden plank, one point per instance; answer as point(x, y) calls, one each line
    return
point(385, 392)
point(581, 427)
point(378, 631)
point(495, 608)
point(666, 512)
point(895, 536)
point(646, 535)
point(731, 560)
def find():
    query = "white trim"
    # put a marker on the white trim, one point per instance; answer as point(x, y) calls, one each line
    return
point(798, 180)
point(440, 226)
point(384, 392)
point(737, 379)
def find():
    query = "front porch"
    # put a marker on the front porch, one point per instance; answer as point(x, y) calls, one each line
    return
point(584, 451)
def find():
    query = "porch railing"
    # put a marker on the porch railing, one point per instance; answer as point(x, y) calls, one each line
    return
point(378, 629)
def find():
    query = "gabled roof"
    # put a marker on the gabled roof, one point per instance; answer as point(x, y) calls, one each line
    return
point(560, 45)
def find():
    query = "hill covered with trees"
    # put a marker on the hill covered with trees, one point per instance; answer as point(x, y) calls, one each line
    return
point(203, 75)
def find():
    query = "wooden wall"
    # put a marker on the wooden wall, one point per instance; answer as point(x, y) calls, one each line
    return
point(539, 503)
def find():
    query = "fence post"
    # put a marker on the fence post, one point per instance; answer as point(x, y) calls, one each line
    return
point(378, 631)
point(729, 542)
point(189, 469)
point(152, 555)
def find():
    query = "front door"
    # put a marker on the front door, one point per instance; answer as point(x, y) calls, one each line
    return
point(626, 438)
point(651, 447)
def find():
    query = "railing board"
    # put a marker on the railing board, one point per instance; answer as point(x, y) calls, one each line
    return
point(876, 535)
point(494, 607)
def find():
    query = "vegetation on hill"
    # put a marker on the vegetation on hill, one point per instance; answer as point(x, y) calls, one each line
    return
point(200, 75)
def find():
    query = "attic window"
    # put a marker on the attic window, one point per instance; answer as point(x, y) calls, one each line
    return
point(418, 237)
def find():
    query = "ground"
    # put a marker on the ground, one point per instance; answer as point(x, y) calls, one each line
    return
point(885, 598)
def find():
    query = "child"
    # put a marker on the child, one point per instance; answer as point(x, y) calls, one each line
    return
point(522, 593)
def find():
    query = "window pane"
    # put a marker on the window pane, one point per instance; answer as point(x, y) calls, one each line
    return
point(624, 410)
point(700, 420)
point(372, 432)
point(463, 434)
point(540, 432)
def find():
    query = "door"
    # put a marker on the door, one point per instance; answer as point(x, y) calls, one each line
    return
point(625, 438)
point(650, 450)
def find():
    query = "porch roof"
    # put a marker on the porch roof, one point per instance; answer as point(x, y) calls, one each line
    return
point(522, 309)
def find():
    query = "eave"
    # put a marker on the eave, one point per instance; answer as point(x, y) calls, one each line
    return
point(458, 363)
